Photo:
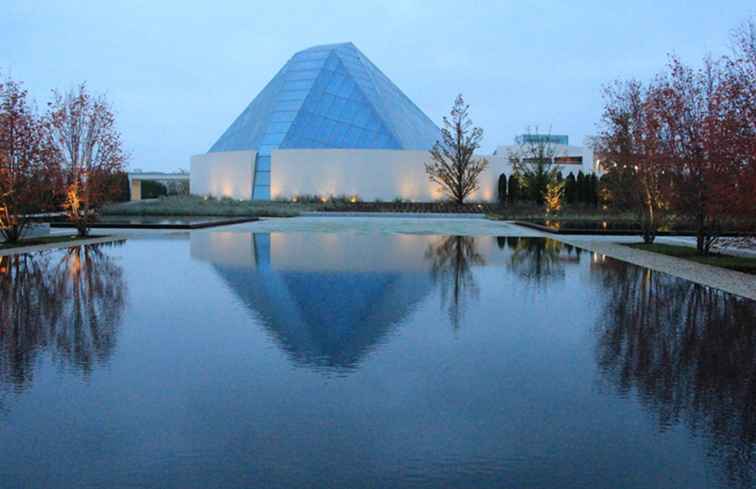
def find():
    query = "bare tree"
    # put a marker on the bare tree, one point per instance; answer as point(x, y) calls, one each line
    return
point(453, 164)
point(89, 147)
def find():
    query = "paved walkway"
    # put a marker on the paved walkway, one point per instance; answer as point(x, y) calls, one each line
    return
point(737, 283)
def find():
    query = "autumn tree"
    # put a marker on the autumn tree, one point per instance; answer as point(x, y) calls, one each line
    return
point(741, 89)
point(28, 171)
point(89, 147)
point(706, 143)
point(687, 142)
point(453, 165)
point(552, 199)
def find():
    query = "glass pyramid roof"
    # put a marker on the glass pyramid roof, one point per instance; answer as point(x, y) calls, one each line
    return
point(329, 96)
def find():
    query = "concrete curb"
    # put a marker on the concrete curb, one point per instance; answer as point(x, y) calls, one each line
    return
point(66, 244)
point(413, 215)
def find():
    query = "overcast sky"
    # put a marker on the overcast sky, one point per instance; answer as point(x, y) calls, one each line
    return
point(178, 73)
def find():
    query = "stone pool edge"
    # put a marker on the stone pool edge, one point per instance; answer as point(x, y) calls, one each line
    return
point(64, 244)
point(730, 281)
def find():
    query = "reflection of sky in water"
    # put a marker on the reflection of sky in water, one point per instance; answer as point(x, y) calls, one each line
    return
point(350, 360)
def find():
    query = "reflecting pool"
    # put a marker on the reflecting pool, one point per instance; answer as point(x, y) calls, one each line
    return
point(230, 359)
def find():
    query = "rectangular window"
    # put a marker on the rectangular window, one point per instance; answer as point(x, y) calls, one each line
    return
point(569, 160)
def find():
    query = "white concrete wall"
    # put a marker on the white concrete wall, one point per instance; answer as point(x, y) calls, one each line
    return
point(223, 174)
point(370, 174)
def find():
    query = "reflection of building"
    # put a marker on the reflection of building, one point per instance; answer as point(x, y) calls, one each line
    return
point(327, 300)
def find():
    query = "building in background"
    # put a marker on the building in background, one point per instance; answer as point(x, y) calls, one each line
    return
point(571, 159)
point(331, 123)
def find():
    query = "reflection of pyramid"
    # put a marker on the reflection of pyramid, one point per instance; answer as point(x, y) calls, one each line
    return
point(328, 318)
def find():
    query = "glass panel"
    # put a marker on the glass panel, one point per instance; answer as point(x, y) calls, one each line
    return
point(288, 105)
point(262, 163)
point(308, 65)
point(346, 88)
point(298, 84)
point(325, 104)
point(276, 127)
point(335, 83)
point(301, 75)
point(273, 139)
point(350, 112)
point(266, 149)
point(261, 193)
point(332, 63)
point(362, 116)
point(337, 107)
point(262, 178)
point(293, 94)
point(282, 116)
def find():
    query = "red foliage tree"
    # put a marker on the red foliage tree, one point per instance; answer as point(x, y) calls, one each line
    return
point(741, 91)
point(89, 148)
point(29, 174)
point(687, 143)
point(705, 145)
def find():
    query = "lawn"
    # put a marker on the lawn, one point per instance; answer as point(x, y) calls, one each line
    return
point(571, 213)
point(738, 263)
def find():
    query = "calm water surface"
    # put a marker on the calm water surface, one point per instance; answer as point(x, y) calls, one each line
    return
point(229, 359)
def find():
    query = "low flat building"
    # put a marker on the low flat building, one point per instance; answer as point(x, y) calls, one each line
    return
point(571, 159)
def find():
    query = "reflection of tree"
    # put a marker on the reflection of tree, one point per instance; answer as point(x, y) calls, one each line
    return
point(690, 353)
point(451, 268)
point(67, 304)
point(536, 260)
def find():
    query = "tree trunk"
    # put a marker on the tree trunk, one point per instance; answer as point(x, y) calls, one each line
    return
point(700, 234)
